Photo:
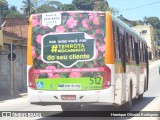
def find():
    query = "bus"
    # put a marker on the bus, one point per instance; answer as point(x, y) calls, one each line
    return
point(84, 57)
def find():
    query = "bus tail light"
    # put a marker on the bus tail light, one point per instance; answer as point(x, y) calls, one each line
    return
point(31, 78)
point(107, 77)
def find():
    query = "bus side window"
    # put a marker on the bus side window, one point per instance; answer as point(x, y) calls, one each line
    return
point(117, 42)
point(139, 47)
point(127, 48)
point(122, 48)
point(146, 53)
point(143, 52)
point(132, 47)
point(115, 39)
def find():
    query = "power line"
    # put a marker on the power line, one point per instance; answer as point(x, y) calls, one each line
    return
point(139, 6)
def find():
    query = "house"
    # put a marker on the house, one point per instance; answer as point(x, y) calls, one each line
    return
point(148, 32)
point(13, 31)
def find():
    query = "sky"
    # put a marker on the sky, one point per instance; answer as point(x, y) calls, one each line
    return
point(130, 9)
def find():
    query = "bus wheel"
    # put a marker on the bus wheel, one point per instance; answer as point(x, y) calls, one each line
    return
point(128, 105)
point(140, 97)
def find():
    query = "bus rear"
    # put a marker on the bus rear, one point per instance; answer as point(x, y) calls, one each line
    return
point(70, 58)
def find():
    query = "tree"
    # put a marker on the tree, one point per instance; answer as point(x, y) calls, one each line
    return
point(101, 5)
point(158, 33)
point(56, 4)
point(11, 12)
point(114, 11)
point(3, 6)
point(96, 5)
point(151, 20)
point(14, 8)
point(83, 4)
point(28, 7)
point(3, 2)
point(45, 8)
point(155, 22)
point(68, 7)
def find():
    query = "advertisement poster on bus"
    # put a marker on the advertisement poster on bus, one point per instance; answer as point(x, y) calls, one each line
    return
point(68, 50)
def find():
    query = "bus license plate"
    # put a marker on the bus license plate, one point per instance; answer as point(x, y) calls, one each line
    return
point(68, 97)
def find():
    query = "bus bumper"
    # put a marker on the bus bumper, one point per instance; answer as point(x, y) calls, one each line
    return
point(92, 96)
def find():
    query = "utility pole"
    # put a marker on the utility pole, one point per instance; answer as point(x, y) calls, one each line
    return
point(12, 79)
point(12, 57)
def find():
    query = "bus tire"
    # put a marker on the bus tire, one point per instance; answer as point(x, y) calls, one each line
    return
point(140, 97)
point(128, 105)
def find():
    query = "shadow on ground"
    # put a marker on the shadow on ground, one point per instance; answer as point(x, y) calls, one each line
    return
point(89, 112)
point(15, 95)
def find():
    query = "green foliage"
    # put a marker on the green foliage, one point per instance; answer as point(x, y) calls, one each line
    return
point(96, 5)
point(83, 4)
point(134, 23)
point(101, 5)
point(114, 11)
point(56, 4)
point(68, 7)
point(11, 12)
point(40, 6)
point(45, 8)
point(155, 22)
point(158, 31)
point(3, 2)
point(151, 20)
point(28, 7)
point(13, 8)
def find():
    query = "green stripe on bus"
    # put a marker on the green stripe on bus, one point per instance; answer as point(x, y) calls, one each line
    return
point(84, 83)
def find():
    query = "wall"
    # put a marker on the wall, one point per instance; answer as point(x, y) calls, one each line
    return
point(20, 68)
point(149, 36)
point(19, 71)
point(5, 75)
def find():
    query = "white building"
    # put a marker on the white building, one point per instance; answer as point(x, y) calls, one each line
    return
point(147, 31)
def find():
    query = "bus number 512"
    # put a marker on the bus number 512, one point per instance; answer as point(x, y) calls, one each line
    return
point(95, 80)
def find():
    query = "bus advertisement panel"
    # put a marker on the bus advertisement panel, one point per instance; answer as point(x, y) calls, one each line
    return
point(68, 51)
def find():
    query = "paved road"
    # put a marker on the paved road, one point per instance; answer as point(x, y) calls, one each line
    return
point(150, 102)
